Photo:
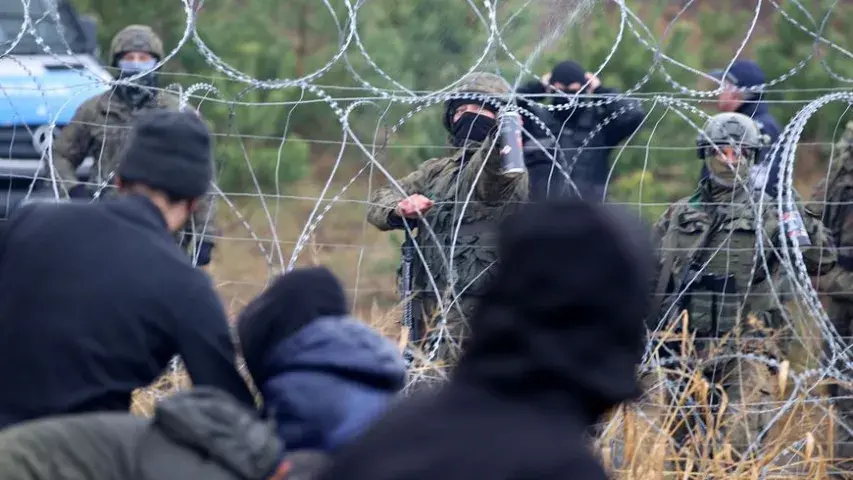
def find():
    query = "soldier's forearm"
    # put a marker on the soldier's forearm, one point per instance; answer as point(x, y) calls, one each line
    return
point(386, 220)
point(493, 185)
point(383, 217)
point(204, 218)
point(63, 171)
point(205, 232)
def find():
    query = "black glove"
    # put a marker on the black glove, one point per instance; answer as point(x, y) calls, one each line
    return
point(80, 191)
point(203, 252)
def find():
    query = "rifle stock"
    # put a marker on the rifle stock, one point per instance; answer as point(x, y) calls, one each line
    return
point(406, 290)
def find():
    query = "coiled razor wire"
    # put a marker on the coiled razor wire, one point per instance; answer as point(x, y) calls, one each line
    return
point(568, 13)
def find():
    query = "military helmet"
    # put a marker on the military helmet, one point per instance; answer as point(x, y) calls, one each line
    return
point(136, 38)
point(730, 129)
point(476, 82)
point(483, 82)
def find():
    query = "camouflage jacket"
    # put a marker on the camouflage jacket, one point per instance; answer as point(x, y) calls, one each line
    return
point(454, 231)
point(99, 129)
point(723, 279)
point(832, 202)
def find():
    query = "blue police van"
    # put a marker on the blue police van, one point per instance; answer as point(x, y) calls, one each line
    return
point(43, 79)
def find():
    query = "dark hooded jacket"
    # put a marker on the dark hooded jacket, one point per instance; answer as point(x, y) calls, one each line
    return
point(202, 433)
point(329, 382)
point(324, 376)
point(746, 73)
point(586, 141)
point(554, 346)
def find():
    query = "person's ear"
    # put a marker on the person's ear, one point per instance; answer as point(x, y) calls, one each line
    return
point(120, 185)
point(193, 204)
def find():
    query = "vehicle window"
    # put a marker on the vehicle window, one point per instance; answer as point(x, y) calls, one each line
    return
point(44, 21)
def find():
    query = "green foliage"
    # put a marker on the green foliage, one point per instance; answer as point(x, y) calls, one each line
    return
point(265, 168)
point(424, 45)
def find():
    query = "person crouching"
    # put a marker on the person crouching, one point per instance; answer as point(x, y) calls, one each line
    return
point(324, 376)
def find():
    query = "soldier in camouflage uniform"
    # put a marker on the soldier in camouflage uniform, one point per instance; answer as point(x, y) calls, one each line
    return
point(455, 237)
point(832, 202)
point(709, 267)
point(101, 124)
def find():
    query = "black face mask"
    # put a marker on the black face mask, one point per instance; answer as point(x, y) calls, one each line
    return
point(141, 90)
point(471, 127)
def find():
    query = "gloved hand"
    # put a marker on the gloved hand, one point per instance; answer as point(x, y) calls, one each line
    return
point(80, 191)
point(203, 253)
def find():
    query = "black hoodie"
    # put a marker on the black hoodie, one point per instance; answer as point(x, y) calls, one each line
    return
point(554, 346)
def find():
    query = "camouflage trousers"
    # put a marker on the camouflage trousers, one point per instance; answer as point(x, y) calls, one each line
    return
point(841, 314)
point(452, 338)
point(683, 409)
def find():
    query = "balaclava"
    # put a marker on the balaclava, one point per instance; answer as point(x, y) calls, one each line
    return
point(567, 73)
point(471, 126)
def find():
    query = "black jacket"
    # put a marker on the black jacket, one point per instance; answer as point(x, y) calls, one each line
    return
point(547, 167)
point(589, 162)
point(551, 349)
point(95, 301)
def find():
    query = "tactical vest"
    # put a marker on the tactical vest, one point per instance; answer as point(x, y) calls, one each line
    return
point(728, 287)
point(474, 255)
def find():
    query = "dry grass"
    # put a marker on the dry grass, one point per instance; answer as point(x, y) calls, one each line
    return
point(798, 446)
point(634, 447)
point(639, 441)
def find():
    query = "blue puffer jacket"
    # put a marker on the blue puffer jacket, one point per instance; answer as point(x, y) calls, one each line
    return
point(327, 383)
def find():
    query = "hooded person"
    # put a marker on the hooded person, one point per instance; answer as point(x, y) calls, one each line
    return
point(554, 345)
point(100, 127)
point(97, 298)
point(324, 376)
point(745, 74)
point(201, 433)
point(456, 245)
point(586, 147)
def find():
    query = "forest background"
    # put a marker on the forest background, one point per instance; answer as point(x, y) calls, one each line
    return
point(286, 143)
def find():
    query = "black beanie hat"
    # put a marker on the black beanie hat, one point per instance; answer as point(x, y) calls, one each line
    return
point(169, 151)
point(290, 302)
point(590, 254)
point(563, 320)
point(567, 73)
